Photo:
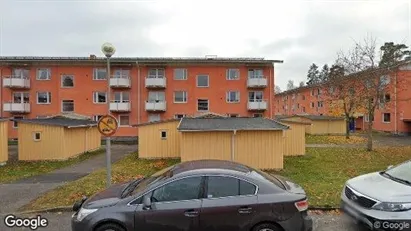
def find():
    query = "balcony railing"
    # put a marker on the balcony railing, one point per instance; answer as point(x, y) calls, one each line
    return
point(156, 105)
point(120, 106)
point(16, 107)
point(13, 81)
point(117, 81)
point(156, 82)
point(257, 81)
point(257, 104)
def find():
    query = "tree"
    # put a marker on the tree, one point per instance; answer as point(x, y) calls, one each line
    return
point(313, 75)
point(336, 71)
point(302, 84)
point(323, 75)
point(393, 53)
point(277, 89)
point(290, 85)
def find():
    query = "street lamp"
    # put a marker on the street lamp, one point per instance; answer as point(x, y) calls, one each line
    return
point(108, 50)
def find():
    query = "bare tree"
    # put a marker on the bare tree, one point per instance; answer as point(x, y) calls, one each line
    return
point(277, 89)
point(290, 85)
point(302, 84)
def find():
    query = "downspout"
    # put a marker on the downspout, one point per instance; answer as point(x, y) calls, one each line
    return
point(395, 106)
point(233, 145)
point(138, 93)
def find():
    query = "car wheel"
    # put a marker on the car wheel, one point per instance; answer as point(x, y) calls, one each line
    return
point(267, 227)
point(110, 227)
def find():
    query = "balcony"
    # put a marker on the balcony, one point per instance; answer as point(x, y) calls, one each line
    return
point(17, 107)
point(16, 82)
point(257, 105)
point(155, 82)
point(120, 106)
point(257, 82)
point(120, 82)
point(156, 105)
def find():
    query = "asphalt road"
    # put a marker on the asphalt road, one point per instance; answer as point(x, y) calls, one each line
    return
point(61, 222)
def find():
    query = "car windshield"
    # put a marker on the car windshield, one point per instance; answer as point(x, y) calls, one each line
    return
point(156, 177)
point(401, 172)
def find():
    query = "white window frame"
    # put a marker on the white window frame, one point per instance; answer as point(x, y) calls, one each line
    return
point(48, 70)
point(208, 105)
point(185, 97)
point(229, 77)
point(228, 98)
point(122, 100)
point(97, 117)
point(185, 73)
point(385, 80)
point(383, 119)
point(21, 96)
point(156, 76)
point(95, 97)
point(34, 136)
point(208, 81)
point(253, 75)
point(254, 99)
point(367, 118)
point(161, 134)
point(62, 81)
point(48, 97)
point(156, 115)
point(176, 116)
point(312, 104)
point(157, 98)
point(124, 73)
point(119, 121)
point(14, 122)
point(95, 71)
point(62, 105)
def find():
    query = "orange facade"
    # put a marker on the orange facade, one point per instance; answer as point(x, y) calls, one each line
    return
point(393, 116)
point(142, 89)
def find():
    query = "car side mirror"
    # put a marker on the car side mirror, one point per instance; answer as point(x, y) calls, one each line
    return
point(146, 202)
point(389, 167)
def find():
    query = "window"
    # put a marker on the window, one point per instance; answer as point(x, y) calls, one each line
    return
point(255, 74)
point(156, 96)
point(180, 74)
point(386, 117)
point(156, 73)
point(179, 116)
point(202, 105)
point(184, 189)
point(312, 92)
point(15, 123)
point(303, 110)
point(180, 97)
point(255, 96)
point(68, 105)
point(99, 97)
point(233, 115)
point(99, 74)
point(202, 81)
point(121, 73)
point(385, 98)
point(312, 104)
point(43, 97)
point(303, 97)
point(298, 105)
point(21, 97)
point(67, 81)
point(97, 117)
point(20, 73)
point(232, 74)
point(153, 117)
point(228, 186)
point(320, 103)
point(367, 118)
point(293, 96)
point(121, 97)
point(43, 74)
point(258, 115)
point(384, 80)
point(124, 120)
point(319, 91)
point(233, 97)
point(36, 136)
point(163, 135)
point(331, 90)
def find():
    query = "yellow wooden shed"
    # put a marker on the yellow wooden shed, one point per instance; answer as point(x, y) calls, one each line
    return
point(320, 125)
point(4, 147)
point(56, 138)
point(256, 142)
point(294, 144)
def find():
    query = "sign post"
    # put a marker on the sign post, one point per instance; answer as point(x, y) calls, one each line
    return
point(107, 126)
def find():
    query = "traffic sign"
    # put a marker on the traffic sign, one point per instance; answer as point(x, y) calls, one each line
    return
point(107, 125)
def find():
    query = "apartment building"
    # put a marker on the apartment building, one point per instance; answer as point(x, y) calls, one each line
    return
point(392, 115)
point(142, 89)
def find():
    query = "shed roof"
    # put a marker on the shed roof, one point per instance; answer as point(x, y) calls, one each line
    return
point(229, 124)
point(4, 119)
point(156, 122)
point(60, 121)
point(311, 117)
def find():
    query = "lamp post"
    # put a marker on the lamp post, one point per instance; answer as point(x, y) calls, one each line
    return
point(108, 49)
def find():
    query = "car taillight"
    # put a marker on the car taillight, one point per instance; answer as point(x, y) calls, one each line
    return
point(301, 205)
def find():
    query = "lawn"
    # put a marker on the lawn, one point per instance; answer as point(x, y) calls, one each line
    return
point(21, 169)
point(322, 172)
point(319, 139)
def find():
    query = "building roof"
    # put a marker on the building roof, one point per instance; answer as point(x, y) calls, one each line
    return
point(155, 122)
point(283, 119)
point(229, 124)
point(316, 117)
point(60, 121)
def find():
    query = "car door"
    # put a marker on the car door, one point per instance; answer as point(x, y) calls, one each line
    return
point(229, 204)
point(175, 206)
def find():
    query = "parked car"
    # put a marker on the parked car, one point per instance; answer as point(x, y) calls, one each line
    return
point(198, 195)
point(379, 199)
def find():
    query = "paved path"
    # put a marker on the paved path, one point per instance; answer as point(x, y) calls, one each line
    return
point(378, 141)
point(19, 193)
point(61, 222)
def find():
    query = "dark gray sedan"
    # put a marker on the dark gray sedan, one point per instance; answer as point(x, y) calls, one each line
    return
point(206, 195)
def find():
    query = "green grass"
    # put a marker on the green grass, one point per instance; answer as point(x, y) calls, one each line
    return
point(21, 169)
point(322, 172)
point(334, 139)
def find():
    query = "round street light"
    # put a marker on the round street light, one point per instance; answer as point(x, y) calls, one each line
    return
point(108, 49)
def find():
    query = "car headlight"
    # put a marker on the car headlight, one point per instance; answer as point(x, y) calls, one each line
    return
point(392, 207)
point(84, 212)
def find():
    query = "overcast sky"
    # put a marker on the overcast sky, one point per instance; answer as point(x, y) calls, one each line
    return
point(298, 32)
